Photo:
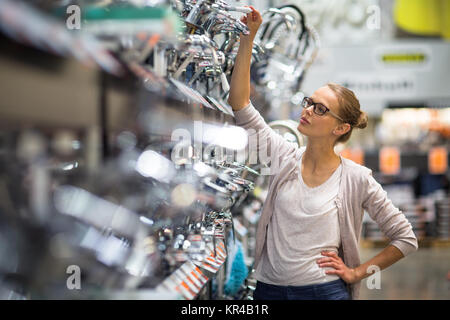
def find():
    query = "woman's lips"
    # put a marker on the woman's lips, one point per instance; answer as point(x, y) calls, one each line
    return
point(304, 121)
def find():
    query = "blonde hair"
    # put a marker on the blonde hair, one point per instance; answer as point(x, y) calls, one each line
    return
point(349, 110)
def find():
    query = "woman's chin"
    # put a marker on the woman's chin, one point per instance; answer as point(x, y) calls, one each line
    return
point(300, 128)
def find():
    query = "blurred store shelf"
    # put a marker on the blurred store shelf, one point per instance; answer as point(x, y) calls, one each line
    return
point(421, 276)
point(423, 243)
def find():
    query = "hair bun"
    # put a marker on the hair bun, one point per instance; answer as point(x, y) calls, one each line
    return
point(362, 121)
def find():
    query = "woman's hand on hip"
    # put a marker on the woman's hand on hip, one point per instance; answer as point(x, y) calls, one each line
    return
point(332, 260)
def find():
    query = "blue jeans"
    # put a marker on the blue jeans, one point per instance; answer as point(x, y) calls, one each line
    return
point(333, 290)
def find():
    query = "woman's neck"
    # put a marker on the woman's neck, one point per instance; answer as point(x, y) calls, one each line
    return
point(320, 158)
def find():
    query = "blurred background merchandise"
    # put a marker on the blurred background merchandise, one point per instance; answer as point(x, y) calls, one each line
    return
point(104, 166)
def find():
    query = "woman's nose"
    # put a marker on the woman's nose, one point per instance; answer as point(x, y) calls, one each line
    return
point(309, 110)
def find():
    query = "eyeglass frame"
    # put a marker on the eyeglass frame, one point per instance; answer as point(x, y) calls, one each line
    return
point(318, 103)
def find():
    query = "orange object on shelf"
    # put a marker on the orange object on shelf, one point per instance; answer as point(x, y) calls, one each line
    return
point(438, 160)
point(389, 159)
point(354, 154)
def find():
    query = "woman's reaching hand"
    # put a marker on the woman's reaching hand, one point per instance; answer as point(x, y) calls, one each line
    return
point(252, 20)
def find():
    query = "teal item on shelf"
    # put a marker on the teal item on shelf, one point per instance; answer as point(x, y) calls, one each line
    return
point(238, 273)
point(124, 13)
point(127, 19)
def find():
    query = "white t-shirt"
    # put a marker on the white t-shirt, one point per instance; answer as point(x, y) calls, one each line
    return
point(304, 224)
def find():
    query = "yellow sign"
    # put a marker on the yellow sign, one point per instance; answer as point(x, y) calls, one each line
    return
point(403, 57)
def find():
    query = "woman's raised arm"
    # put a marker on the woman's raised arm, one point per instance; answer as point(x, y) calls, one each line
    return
point(240, 79)
point(265, 145)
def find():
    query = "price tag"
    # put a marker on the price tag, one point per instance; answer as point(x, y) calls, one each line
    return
point(189, 272)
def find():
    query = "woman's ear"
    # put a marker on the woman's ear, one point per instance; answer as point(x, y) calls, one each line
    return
point(341, 129)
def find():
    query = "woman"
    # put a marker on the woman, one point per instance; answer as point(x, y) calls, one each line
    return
point(308, 233)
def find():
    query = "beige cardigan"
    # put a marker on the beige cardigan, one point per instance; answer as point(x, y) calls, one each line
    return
point(358, 192)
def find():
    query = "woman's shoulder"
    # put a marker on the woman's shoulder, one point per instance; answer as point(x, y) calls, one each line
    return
point(355, 169)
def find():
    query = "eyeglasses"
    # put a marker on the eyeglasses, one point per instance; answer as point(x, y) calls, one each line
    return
point(319, 108)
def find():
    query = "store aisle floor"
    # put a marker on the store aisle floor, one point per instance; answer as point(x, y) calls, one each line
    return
point(422, 275)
